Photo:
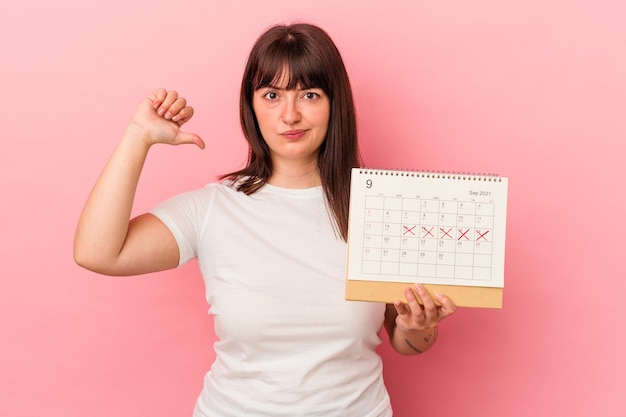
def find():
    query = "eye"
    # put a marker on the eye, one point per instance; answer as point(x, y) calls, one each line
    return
point(311, 95)
point(271, 95)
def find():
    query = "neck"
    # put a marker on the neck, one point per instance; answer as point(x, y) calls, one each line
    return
point(295, 175)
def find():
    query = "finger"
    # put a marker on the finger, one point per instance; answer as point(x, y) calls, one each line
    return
point(175, 108)
point(189, 138)
point(183, 115)
point(413, 303)
point(447, 306)
point(401, 308)
point(169, 99)
point(157, 96)
point(430, 309)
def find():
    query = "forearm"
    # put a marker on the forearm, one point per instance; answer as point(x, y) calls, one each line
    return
point(412, 342)
point(103, 224)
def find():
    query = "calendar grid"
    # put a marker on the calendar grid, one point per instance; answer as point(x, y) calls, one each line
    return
point(427, 238)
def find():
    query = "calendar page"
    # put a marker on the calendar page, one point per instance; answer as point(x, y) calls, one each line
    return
point(431, 228)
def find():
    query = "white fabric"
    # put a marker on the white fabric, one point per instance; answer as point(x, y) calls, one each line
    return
point(289, 343)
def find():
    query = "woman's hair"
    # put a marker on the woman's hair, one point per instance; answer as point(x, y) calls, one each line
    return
point(312, 61)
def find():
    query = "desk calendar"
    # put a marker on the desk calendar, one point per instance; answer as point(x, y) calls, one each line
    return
point(443, 230)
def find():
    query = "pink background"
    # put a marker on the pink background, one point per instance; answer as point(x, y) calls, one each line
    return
point(534, 90)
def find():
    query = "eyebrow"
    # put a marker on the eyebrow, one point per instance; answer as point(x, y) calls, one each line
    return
point(275, 87)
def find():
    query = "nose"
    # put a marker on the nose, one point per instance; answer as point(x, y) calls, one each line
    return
point(290, 111)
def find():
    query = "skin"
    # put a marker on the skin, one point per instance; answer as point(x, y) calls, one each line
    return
point(106, 241)
point(413, 325)
point(294, 124)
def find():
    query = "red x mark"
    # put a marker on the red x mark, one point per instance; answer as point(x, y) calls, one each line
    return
point(428, 232)
point(481, 235)
point(463, 234)
point(408, 230)
point(444, 233)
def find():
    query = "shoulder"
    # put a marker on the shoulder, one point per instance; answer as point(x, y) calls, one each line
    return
point(210, 190)
point(196, 200)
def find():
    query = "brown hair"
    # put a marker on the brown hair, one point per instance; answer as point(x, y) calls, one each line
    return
point(312, 61)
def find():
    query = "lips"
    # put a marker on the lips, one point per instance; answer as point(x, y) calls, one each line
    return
point(293, 134)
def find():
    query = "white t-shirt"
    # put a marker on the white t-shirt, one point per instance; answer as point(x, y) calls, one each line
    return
point(289, 343)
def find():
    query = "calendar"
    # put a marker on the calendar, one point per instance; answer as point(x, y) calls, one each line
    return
point(445, 229)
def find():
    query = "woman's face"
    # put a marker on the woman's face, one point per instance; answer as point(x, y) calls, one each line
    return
point(293, 122)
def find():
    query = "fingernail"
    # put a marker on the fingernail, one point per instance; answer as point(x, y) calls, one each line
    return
point(168, 115)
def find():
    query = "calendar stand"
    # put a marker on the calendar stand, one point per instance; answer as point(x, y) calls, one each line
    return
point(389, 292)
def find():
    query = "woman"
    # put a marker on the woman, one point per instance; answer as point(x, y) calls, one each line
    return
point(269, 239)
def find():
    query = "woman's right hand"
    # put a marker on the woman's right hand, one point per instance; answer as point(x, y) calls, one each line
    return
point(160, 116)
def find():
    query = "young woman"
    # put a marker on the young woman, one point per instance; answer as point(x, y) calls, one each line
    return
point(269, 239)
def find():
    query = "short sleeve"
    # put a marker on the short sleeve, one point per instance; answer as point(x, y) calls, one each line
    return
point(185, 216)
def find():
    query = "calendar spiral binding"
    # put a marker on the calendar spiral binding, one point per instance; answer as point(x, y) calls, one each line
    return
point(451, 175)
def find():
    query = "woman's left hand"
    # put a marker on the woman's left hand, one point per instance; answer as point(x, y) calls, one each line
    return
point(415, 316)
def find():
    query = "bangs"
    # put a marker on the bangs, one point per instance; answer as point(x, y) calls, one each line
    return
point(290, 66)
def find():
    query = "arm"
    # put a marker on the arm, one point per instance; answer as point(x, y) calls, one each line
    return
point(106, 240)
point(412, 327)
